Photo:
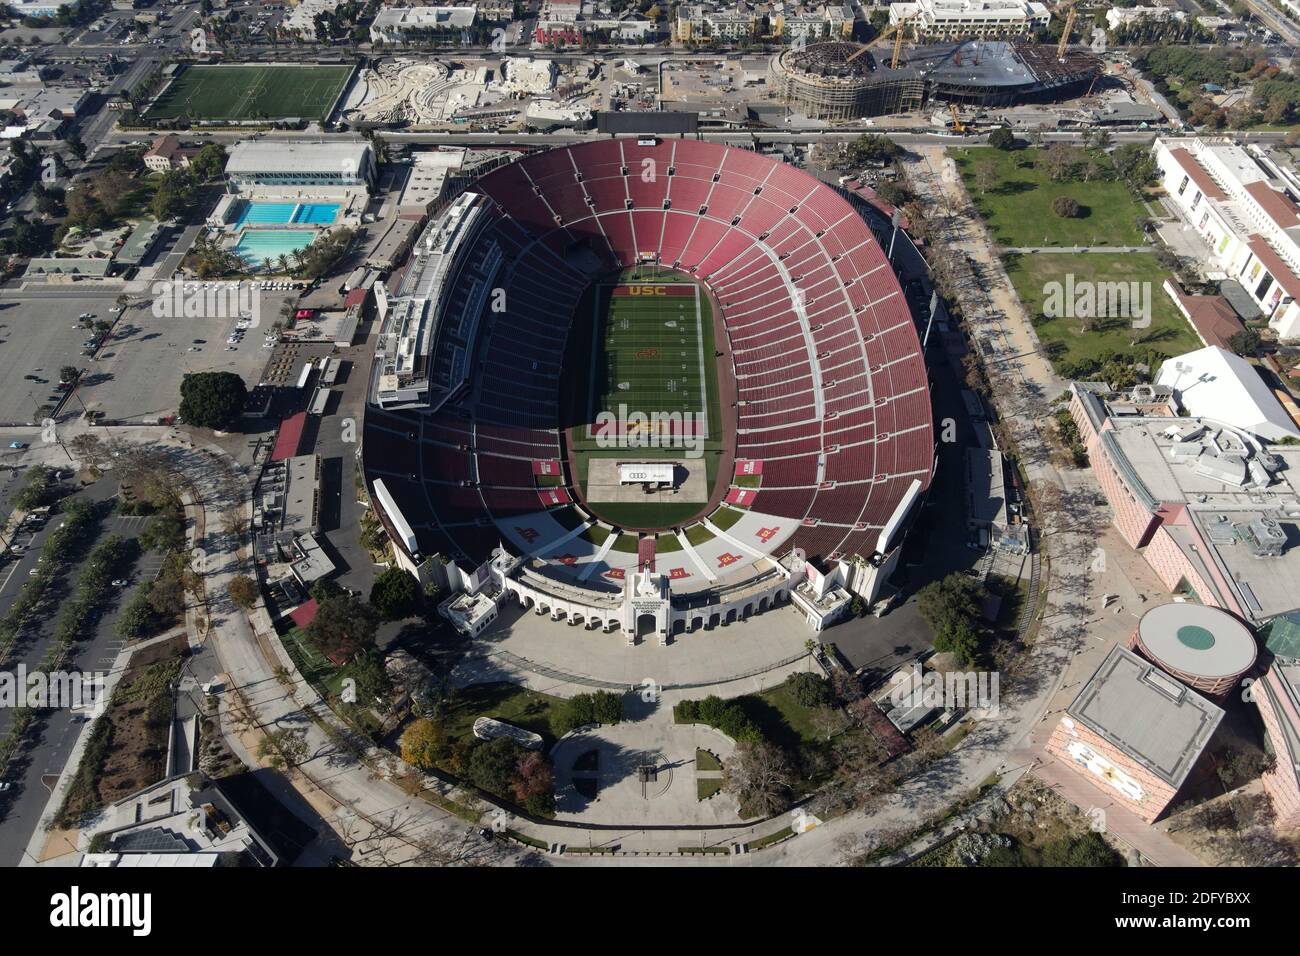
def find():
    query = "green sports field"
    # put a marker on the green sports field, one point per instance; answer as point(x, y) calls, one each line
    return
point(650, 357)
point(643, 346)
point(251, 92)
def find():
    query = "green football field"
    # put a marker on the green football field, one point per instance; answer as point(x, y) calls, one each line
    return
point(651, 354)
point(251, 92)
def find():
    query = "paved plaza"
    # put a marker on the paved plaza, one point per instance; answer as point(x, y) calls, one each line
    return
point(641, 771)
point(557, 658)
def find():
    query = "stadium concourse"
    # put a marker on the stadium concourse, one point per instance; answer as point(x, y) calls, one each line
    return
point(834, 441)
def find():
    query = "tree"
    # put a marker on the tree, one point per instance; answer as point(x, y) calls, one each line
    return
point(986, 175)
point(1066, 207)
point(286, 746)
point(343, 627)
point(601, 707)
point(208, 163)
point(872, 148)
point(758, 776)
point(1244, 343)
point(493, 766)
point(370, 677)
point(809, 690)
point(950, 602)
point(243, 592)
point(395, 594)
point(1002, 138)
point(212, 399)
point(1087, 850)
point(960, 640)
point(424, 743)
point(534, 784)
point(89, 450)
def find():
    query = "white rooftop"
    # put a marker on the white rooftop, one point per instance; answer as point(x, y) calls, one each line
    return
point(1215, 383)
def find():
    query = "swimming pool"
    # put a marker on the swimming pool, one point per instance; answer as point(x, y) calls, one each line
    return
point(287, 213)
point(261, 246)
point(316, 213)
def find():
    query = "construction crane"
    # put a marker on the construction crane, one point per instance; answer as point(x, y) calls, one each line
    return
point(958, 126)
point(897, 30)
point(1065, 33)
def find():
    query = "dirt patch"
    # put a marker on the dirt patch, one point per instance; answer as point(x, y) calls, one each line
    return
point(127, 749)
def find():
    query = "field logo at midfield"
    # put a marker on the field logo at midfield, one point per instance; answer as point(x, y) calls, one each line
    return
point(175, 299)
point(632, 429)
point(1084, 299)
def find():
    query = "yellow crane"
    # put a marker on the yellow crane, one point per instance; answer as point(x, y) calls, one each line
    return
point(958, 126)
point(1065, 33)
point(897, 30)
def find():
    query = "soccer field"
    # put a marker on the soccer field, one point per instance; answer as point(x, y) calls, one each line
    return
point(251, 92)
point(650, 358)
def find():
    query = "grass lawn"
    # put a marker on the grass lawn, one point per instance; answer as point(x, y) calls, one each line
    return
point(1019, 209)
point(1063, 338)
point(504, 701)
point(706, 760)
point(318, 670)
point(251, 92)
point(724, 518)
point(667, 543)
point(707, 787)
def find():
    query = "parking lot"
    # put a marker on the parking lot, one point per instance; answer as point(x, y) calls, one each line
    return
point(39, 334)
point(135, 373)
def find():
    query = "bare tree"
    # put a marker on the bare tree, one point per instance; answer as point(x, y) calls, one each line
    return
point(758, 776)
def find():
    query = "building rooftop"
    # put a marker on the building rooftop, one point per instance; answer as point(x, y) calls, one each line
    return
point(1157, 721)
point(1196, 639)
point(1213, 381)
point(277, 156)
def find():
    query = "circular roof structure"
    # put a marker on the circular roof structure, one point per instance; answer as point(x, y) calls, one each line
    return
point(838, 59)
point(1197, 640)
point(830, 432)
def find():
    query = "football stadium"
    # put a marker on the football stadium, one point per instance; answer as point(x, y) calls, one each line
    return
point(649, 386)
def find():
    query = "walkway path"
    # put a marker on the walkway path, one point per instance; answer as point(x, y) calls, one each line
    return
point(1072, 250)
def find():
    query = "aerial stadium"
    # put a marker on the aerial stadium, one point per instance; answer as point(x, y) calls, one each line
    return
point(651, 387)
point(843, 81)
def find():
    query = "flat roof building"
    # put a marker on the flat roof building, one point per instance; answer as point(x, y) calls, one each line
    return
point(963, 19)
point(1236, 200)
point(1135, 733)
point(1205, 648)
point(321, 165)
point(1212, 509)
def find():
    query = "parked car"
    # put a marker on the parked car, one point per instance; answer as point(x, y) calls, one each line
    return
point(18, 444)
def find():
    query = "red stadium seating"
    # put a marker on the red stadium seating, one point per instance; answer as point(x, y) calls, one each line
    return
point(829, 369)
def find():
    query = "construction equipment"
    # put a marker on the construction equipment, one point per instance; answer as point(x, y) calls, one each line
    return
point(1065, 33)
point(958, 126)
point(897, 31)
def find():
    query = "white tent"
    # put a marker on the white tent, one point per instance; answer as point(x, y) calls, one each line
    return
point(1214, 383)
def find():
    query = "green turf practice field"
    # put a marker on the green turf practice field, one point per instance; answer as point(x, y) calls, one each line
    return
point(644, 384)
point(251, 92)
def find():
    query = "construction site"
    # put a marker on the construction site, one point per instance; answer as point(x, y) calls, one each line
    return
point(847, 81)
